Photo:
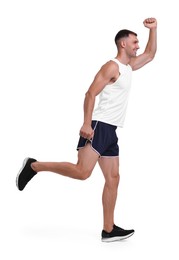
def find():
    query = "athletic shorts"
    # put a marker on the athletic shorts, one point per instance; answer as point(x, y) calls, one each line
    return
point(104, 141)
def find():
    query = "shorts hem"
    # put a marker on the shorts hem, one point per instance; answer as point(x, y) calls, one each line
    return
point(81, 147)
point(109, 156)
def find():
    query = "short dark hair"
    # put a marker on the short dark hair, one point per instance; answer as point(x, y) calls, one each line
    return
point(122, 34)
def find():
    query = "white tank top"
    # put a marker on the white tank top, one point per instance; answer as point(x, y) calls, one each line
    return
point(113, 99)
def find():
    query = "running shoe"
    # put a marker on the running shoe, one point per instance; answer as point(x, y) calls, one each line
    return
point(25, 174)
point(116, 234)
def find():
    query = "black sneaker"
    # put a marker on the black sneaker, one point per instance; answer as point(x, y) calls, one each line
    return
point(25, 174)
point(116, 234)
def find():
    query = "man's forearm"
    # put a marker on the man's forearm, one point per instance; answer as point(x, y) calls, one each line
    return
point(89, 103)
point(152, 42)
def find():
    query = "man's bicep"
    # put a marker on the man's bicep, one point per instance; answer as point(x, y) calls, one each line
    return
point(100, 81)
point(102, 78)
point(139, 61)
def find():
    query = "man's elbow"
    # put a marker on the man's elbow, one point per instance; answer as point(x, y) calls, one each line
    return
point(89, 95)
point(152, 55)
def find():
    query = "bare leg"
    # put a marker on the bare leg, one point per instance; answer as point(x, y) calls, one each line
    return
point(110, 169)
point(87, 159)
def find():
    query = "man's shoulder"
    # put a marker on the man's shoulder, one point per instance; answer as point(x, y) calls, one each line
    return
point(110, 65)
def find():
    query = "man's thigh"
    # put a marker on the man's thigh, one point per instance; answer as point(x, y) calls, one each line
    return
point(87, 158)
point(109, 166)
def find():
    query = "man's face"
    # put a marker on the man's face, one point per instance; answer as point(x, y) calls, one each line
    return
point(132, 45)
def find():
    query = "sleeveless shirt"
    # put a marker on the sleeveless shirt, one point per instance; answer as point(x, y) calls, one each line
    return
point(113, 99)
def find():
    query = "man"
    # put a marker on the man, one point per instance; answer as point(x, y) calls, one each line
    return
point(98, 141)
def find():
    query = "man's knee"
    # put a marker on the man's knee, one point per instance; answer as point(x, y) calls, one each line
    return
point(84, 174)
point(113, 180)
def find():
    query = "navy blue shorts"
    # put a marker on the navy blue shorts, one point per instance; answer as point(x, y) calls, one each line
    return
point(104, 141)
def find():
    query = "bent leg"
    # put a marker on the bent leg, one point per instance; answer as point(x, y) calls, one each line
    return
point(110, 169)
point(87, 159)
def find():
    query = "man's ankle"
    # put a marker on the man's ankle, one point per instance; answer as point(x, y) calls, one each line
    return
point(108, 228)
point(33, 166)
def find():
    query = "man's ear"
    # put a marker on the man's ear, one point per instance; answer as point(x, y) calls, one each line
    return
point(123, 43)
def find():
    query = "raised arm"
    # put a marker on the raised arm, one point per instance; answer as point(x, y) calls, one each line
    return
point(151, 47)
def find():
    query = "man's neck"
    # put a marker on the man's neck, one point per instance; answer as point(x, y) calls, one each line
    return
point(123, 59)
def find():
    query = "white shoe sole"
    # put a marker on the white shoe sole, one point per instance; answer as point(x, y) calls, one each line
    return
point(113, 239)
point(23, 165)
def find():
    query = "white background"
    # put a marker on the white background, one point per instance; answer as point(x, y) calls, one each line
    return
point(49, 54)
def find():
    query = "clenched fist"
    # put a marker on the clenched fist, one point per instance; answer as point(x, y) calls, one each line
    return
point(86, 132)
point(150, 23)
